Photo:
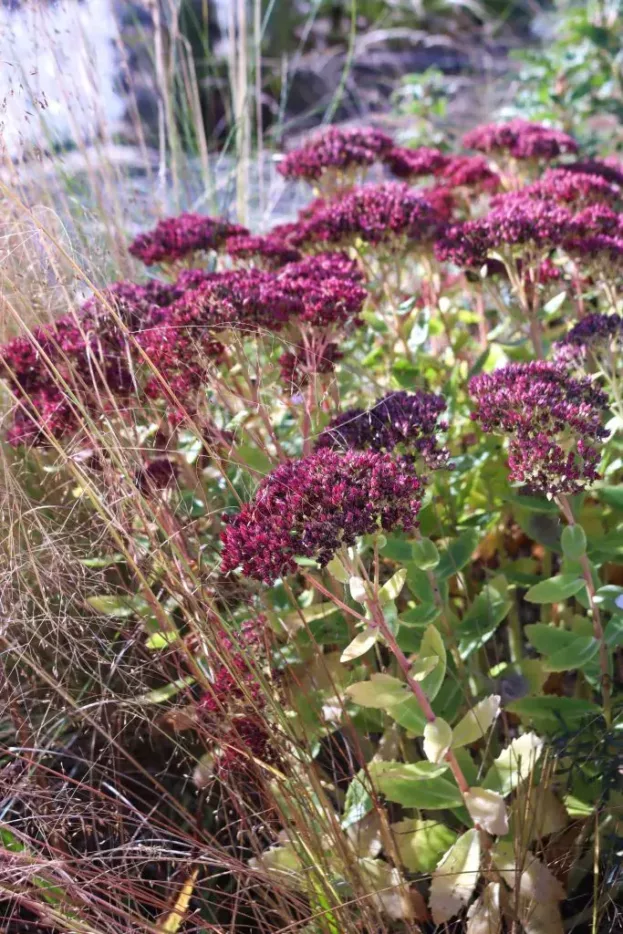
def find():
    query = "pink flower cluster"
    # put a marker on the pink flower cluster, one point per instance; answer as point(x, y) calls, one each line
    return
point(312, 507)
point(521, 140)
point(269, 250)
point(87, 357)
point(335, 149)
point(176, 238)
point(516, 221)
point(554, 422)
point(574, 188)
point(400, 422)
point(458, 171)
point(375, 214)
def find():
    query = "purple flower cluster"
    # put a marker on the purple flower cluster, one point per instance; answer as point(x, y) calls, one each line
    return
point(554, 422)
point(415, 163)
point(521, 140)
point(608, 169)
point(269, 250)
point(595, 331)
point(469, 172)
point(574, 188)
point(246, 741)
point(236, 682)
point(335, 149)
point(515, 221)
point(400, 422)
point(86, 356)
point(175, 238)
point(312, 507)
point(376, 214)
point(158, 474)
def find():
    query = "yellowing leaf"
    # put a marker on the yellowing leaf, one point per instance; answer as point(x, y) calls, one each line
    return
point(536, 881)
point(361, 644)
point(357, 589)
point(390, 892)
point(173, 921)
point(514, 763)
point(485, 915)
point(455, 878)
point(390, 590)
point(379, 692)
point(433, 646)
point(487, 809)
point(421, 842)
point(476, 722)
point(284, 864)
point(540, 919)
point(337, 570)
point(437, 739)
point(536, 812)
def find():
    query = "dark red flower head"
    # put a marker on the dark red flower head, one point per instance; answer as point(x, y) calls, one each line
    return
point(336, 149)
point(401, 422)
point(174, 238)
point(415, 163)
point(516, 221)
point(268, 249)
point(312, 507)
point(469, 172)
point(374, 214)
point(554, 422)
point(573, 188)
point(521, 140)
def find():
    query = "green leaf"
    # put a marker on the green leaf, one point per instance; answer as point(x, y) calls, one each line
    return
point(397, 549)
point(437, 739)
point(160, 640)
point(613, 495)
point(457, 554)
point(514, 764)
point(415, 786)
point(337, 570)
point(476, 722)
point(482, 619)
point(563, 650)
point(408, 714)
point(432, 646)
point(556, 589)
point(118, 606)
point(420, 616)
point(613, 633)
point(357, 802)
point(391, 589)
point(361, 644)
point(573, 541)
point(421, 843)
point(424, 554)
point(380, 692)
point(552, 713)
point(554, 305)
point(419, 584)
point(307, 614)
point(160, 695)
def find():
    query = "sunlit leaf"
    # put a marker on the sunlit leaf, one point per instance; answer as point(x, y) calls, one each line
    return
point(437, 739)
point(476, 721)
point(455, 878)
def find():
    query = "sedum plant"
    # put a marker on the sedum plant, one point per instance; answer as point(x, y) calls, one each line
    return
point(352, 488)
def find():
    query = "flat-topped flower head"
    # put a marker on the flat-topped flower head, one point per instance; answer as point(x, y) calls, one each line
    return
point(609, 169)
point(535, 227)
point(176, 238)
point(415, 163)
point(335, 150)
point(572, 188)
point(521, 140)
point(270, 251)
point(375, 214)
point(472, 172)
point(321, 266)
point(312, 507)
point(553, 419)
point(598, 219)
point(400, 422)
point(597, 335)
point(329, 291)
point(599, 255)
